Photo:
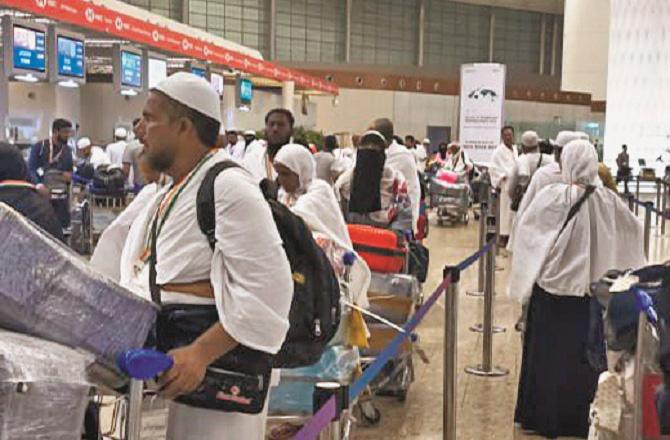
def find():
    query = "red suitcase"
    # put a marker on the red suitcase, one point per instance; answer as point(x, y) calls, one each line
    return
point(382, 249)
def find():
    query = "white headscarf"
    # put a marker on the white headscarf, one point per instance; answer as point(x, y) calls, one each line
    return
point(603, 235)
point(317, 206)
point(298, 159)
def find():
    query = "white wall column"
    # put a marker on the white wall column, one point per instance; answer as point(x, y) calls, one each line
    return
point(4, 104)
point(287, 94)
point(228, 106)
point(585, 47)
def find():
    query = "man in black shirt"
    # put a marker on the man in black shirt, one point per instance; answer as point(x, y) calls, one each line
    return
point(50, 163)
point(17, 192)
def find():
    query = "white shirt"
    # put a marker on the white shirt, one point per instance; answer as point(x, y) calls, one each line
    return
point(420, 155)
point(460, 163)
point(98, 157)
point(525, 167)
point(106, 257)
point(401, 159)
point(256, 161)
point(502, 164)
point(115, 152)
point(237, 150)
point(249, 270)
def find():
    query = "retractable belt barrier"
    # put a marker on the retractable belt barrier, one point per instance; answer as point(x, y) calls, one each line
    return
point(329, 411)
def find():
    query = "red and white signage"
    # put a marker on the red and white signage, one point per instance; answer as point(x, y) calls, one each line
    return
point(98, 18)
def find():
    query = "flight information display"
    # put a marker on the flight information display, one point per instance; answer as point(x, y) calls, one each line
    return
point(131, 69)
point(29, 49)
point(197, 71)
point(246, 91)
point(70, 57)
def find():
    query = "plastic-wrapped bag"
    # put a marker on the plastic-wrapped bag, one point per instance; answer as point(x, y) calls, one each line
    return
point(48, 291)
point(43, 389)
point(294, 393)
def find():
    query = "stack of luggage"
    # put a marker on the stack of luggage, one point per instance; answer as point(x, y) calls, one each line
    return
point(50, 294)
point(394, 294)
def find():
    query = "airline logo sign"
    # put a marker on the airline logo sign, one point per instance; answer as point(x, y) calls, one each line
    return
point(99, 18)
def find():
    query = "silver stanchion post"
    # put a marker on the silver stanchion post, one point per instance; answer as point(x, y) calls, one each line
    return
point(486, 368)
point(637, 195)
point(664, 200)
point(658, 198)
point(134, 421)
point(647, 227)
point(323, 391)
point(637, 379)
point(450, 354)
point(482, 241)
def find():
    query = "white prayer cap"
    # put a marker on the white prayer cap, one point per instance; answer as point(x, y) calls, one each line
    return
point(426, 141)
point(192, 91)
point(250, 133)
point(232, 130)
point(565, 137)
point(583, 136)
point(83, 143)
point(120, 132)
point(529, 139)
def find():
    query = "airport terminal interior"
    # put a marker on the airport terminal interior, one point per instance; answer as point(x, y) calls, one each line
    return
point(334, 219)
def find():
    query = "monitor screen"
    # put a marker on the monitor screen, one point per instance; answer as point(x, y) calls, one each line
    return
point(246, 91)
point(216, 80)
point(131, 69)
point(199, 72)
point(157, 71)
point(29, 49)
point(70, 57)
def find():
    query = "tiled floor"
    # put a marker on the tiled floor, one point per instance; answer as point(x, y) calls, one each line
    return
point(485, 405)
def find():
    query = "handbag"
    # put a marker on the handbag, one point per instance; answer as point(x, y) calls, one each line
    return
point(238, 381)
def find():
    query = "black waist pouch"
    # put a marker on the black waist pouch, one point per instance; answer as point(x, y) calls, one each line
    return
point(237, 382)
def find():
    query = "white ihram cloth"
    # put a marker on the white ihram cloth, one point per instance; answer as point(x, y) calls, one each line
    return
point(115, 152)
point(603, 235)
point(237, 151)
point(500, 169)
point(420, 155)
point(256, 161)
point(525, 167)
point(106, 257)
point(316, 204)
point(248, 270)
point(401, 159)
point(545, 176)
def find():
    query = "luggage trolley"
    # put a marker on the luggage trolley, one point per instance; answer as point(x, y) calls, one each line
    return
point(394, 296)
point(450, 199)
point(105, 207)
point(291, 402)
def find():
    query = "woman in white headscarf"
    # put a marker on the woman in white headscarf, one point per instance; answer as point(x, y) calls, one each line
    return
point(570, 235)
point(314, 201)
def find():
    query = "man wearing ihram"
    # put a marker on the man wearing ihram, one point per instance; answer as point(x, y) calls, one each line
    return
point(247, 276)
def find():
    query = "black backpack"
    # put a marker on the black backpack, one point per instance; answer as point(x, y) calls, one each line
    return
point(109, 179)
point(315, 309)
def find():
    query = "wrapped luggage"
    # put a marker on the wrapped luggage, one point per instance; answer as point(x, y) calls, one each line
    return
point(48, 292)
point(382, 249)
point(43, 389)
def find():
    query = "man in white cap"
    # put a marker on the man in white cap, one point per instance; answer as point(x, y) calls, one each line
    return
point(249, 137)
point(116, 149)
point(500, 169)
point(247, 277)
point(90, 154)
point(526, 165)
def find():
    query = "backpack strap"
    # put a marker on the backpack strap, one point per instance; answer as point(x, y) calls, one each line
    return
point(574, 209)
point(153, 286)
point(205, 209)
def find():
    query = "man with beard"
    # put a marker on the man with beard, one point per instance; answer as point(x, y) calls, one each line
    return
point(246, 278)
point(279, 124)
point(51, 163)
